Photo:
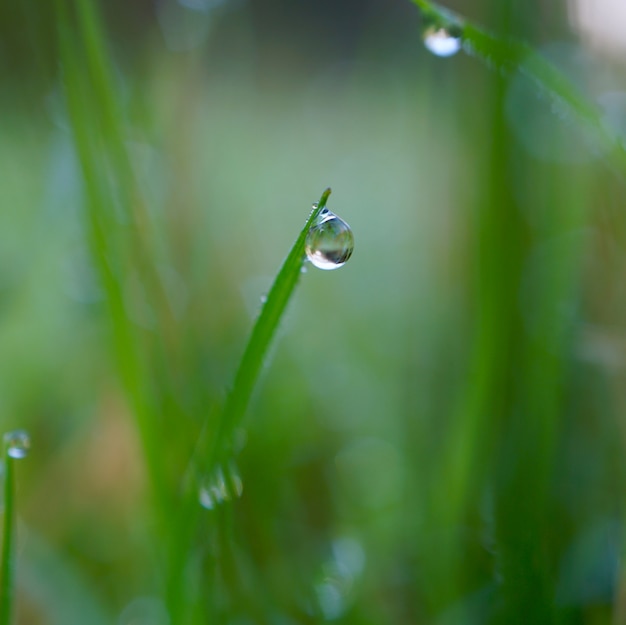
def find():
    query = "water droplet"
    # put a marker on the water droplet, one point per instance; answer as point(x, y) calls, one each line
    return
point(329, 242)
point(442, 41)
point(221, 486)
point(17, 444)
point(349, 555)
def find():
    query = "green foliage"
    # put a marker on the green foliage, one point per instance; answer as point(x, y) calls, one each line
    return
point(437, 439)
point(256, 350)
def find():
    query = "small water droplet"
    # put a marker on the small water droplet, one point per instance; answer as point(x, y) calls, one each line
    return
point(221, 486)
point(329, 242)
point(17, 444)
point(442, 41)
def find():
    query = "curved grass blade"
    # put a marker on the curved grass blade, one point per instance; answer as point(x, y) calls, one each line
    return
point(215, 442)
point(96, 127)
point(208, 454)
point(7, 567)
point(508, 56)
point(8, 564)
point(119, 234)
point(261, 337)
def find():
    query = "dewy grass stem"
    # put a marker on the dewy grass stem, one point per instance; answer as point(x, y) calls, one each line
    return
point(508, 56)
point(214, 444)
point(8, 565)
point(260, 339)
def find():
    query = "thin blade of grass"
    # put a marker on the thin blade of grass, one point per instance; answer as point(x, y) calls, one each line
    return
point(512, 407)
point(120, 241)
point(262, 334)
point(214, 444)
point(8, 537)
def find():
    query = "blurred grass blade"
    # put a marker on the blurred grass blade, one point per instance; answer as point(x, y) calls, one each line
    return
point(508, 55)
point(109, 182)
point(119, 234)
point(8, 539)
point(261, 337)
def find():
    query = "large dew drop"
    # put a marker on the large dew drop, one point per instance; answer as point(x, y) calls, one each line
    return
point(329, 242)
point(17, 444)
point(442, 41)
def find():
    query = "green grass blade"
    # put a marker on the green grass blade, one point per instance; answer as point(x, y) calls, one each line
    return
point(505, 427)
point(8, 538)
point(261, 338)
point(508, 55)
point(96, 126)
point(214, 445)
point(117, 244)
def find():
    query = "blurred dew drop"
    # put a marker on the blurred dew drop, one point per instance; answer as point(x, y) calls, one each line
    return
point(442, 41)
point(221, 486)
point(349, 555)
point(17, 444)
point(329, 242)
point(339, 574)
point(331, 599)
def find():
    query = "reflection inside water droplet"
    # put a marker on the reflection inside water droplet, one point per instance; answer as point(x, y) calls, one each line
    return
point(442, 41)
point(223, 485)
point(329, 242)
point(17, 444)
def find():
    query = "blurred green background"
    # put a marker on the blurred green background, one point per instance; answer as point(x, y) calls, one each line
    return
point(438, 436)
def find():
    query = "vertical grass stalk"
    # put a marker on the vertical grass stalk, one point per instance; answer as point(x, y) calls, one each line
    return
point(8, 539)
point(214, 444)
point(262, 334)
